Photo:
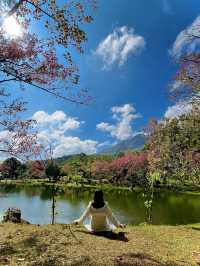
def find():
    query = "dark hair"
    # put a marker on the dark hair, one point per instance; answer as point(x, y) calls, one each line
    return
point(98, 201)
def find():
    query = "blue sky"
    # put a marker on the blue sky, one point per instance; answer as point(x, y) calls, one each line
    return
point(128, 64)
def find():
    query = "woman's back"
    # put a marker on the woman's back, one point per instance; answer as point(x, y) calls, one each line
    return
point(101, 215)
point(99, 218)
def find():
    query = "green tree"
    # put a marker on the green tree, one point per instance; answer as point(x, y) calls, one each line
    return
point(12, 168)
point(52, 171)
point(171, 145)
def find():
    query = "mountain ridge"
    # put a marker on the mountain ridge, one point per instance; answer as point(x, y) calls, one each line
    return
point(135, 143)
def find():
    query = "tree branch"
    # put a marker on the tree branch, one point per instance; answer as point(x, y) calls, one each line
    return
point(5, 80)
point(43, 11)
point(41, 88)
point(16, 64)
point(195, 36)
point(16, 6)
point(53, 93)
point(1, 150)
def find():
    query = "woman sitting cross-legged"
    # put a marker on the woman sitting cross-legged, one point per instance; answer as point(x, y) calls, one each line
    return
point(102, 219)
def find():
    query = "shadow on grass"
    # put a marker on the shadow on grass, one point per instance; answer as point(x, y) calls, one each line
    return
point(33, 243)
point(57, 261)
point(6, 249)
point(120, 236)
point(141, 259)
point(30, 241)
point(5, 252)
point(196, 228)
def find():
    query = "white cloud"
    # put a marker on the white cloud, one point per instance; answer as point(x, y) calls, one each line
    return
point(176, 85)
point(105, 127)
point(53, 129)
point(58, 119)
point(42, 117)
point(118, 45)
point(182, 106)
point(74, 145)
point(70, 123)
point(178, 109)
point(3, 134)
point(3, 137)
point(185, 42)
point(124, 115)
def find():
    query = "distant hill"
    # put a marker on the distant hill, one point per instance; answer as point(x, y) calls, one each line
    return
point(65, 158)
point(135, 143)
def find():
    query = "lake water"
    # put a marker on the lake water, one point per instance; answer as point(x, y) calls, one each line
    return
point(35, 204)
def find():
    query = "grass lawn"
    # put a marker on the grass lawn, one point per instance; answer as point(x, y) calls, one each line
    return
point(141, 245)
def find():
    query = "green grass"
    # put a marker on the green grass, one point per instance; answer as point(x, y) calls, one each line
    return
point(49, 245)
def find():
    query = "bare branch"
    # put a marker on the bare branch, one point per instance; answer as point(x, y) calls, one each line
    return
point(195, 36)
point(42, 88)
point(42, 10)
point(5, 80)
point(15, 8)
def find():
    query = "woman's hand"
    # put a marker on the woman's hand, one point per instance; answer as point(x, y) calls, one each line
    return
point(75, 222)
point(122, 225)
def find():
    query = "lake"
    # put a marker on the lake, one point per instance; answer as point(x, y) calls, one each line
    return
point(35, 204)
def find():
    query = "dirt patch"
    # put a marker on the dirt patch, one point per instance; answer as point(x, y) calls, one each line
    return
point(140, 259)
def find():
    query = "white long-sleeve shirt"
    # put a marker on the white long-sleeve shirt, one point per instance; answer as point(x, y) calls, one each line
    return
point(100, 217)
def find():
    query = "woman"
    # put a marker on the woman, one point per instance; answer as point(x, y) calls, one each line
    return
point(101, 215)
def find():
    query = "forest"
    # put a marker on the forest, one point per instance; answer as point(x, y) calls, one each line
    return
point(171, 155)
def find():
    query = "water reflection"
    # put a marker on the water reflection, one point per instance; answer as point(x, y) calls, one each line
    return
point(35, 203)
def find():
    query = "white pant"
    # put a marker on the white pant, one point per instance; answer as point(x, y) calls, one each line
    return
point(110, 227)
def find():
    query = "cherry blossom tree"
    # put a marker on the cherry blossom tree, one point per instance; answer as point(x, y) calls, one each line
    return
point(36, 169)
point(187, 86)
point(187, 78)
point(101, 169)
point(122, 169)
point(41, 59)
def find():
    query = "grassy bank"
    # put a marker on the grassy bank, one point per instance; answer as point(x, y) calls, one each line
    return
point(36, 182)
point(173, 187)
point(142, 245)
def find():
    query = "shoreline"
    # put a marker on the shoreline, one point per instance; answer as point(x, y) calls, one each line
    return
point(174, 188)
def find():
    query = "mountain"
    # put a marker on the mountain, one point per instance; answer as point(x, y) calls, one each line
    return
point(63, 159)
point(135, 143)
